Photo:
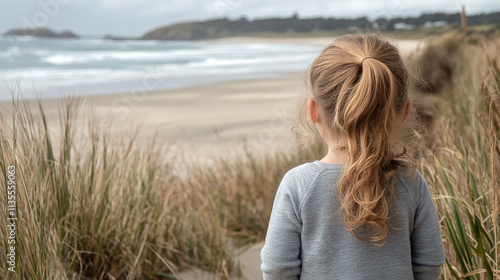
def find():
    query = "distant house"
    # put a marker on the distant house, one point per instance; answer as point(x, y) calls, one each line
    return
point(440, 23)
point(402, 25)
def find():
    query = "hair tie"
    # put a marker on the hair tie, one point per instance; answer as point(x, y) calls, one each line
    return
point(366, 58)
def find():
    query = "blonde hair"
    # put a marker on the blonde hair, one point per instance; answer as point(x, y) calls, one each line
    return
point(360, 85)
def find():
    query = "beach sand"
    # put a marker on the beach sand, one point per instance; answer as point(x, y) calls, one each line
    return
point(259, 112)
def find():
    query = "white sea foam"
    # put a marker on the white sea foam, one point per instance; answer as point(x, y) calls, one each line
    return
point(98, 64)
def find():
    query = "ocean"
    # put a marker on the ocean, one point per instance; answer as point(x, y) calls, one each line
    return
point(56, 67)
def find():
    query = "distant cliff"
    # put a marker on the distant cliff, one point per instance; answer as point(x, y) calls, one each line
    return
point(226, 28)
point(40, 32)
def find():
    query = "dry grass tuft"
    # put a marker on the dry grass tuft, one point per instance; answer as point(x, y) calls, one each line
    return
point(462, 165)
point(104, 208)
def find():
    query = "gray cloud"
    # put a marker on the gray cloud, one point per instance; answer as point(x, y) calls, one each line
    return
point(134, 17)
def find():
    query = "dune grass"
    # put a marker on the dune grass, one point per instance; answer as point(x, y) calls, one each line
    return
point(461, 165)
point(102, 208)
point(91, 205)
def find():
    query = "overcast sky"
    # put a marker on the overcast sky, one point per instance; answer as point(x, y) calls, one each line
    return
point(135, 17)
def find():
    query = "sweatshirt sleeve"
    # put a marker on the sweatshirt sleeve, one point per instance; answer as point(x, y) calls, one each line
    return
point(426, 244)
point(281, 252)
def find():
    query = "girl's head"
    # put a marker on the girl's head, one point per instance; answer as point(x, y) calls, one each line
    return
point(359, 86)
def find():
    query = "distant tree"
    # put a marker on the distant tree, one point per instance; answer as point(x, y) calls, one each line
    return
point(224, 27)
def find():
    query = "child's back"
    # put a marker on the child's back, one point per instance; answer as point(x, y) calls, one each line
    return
point(357, 213)
point(307, 236)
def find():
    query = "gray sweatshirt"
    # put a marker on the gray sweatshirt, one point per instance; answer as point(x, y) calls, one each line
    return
point(308, 239)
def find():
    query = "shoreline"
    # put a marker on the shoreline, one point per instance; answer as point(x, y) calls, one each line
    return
point(406, 46)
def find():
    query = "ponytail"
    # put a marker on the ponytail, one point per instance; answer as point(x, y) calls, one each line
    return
point(359, 82)
point(367, 124)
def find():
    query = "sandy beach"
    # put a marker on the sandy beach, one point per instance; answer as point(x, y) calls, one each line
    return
point(209, 117)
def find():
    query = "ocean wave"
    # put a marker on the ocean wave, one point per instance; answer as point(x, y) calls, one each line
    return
point(88, 57)
point(68, 77)
point(214, 51)
point(208, 67)
point(97, 63)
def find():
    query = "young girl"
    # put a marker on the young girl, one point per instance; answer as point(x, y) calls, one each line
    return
point(361, 212)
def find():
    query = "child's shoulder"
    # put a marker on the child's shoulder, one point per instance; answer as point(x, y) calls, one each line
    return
point(311, 169)
point(299, 178)
point(316, 166)
point(412, 182)
point(299, 172)
point(301, 169)
point(410, 177)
